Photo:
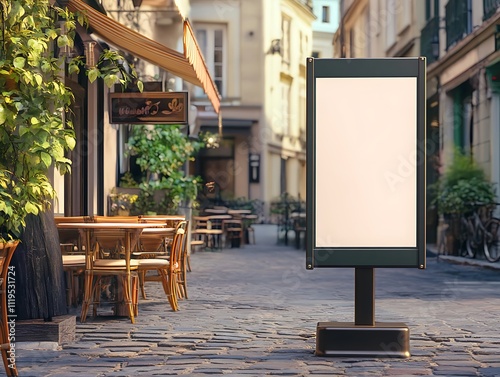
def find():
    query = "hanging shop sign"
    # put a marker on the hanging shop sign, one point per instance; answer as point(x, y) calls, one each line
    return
point(149, 108)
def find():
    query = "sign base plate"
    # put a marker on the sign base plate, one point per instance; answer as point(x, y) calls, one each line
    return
point(384, 339)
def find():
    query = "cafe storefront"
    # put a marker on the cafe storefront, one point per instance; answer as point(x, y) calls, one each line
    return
point(98, 155)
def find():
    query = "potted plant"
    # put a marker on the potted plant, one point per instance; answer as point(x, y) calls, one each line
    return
point(459, 191)
point(122, 203)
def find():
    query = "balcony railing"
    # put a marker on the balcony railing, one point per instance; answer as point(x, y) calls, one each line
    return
point(490, 8)
point(458, 21)
point(429, 40)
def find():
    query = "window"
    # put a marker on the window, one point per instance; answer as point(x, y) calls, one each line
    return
point(431, 9)
point(285, 108)
point(285, 37)
point(325, 14)
point(212, 42)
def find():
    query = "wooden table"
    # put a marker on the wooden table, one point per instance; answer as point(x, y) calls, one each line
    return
point(214, 211)
point(239, 212)
point(132, 232)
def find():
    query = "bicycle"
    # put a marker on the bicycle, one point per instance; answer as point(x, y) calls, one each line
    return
point(472, 230)
point(491, 239)
point(478, 234)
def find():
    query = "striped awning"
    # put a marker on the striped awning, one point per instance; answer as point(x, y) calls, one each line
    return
point(189, 66)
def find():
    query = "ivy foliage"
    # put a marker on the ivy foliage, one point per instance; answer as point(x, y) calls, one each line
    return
point(35, 126)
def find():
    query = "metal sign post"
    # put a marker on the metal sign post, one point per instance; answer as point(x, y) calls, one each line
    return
point(365, 186)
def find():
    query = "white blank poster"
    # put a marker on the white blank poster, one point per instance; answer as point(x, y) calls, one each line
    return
point(366, 156)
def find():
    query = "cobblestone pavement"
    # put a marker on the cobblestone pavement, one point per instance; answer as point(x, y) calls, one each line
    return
point(253, 311)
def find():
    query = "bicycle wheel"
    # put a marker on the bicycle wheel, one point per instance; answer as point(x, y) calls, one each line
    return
point(467, 248)
point(475, 238)
point(492, 240)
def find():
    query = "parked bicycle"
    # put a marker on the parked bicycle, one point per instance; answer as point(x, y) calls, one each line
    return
point(492, 239)
point(480, 231)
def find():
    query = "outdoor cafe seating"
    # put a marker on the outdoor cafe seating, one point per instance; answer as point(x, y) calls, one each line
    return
point(126, 252)
point(108, 244)
point(223, 226)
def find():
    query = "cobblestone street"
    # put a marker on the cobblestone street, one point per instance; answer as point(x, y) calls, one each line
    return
point(253, 311)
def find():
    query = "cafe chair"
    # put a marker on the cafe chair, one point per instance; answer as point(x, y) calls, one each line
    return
point(299, 228)
point(73, 257)
point(150, 247)
point(107, 256)
point(196, 244)
point(74, 269)
point(168, 268)
point(209, 229)
point(6, 286)
point(185, 266)
point(233, 231)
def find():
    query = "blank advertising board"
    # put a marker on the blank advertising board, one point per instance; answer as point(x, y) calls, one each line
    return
point(366, 162)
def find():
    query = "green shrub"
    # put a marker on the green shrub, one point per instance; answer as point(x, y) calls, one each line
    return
point(462, 187)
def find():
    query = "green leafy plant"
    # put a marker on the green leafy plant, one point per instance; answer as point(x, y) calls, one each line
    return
point(161, 154)
point(127, 180)
point(463, 185)
point(35, 126)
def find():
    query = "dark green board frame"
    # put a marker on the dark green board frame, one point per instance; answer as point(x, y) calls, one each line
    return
point(377, 221)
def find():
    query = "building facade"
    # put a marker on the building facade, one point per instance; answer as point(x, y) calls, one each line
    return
point(257, 50)
point(157, 39)
point(327, 20)
point(460, 42)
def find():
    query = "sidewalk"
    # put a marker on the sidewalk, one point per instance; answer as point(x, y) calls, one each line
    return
point(253, 311)
point(432, 250)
